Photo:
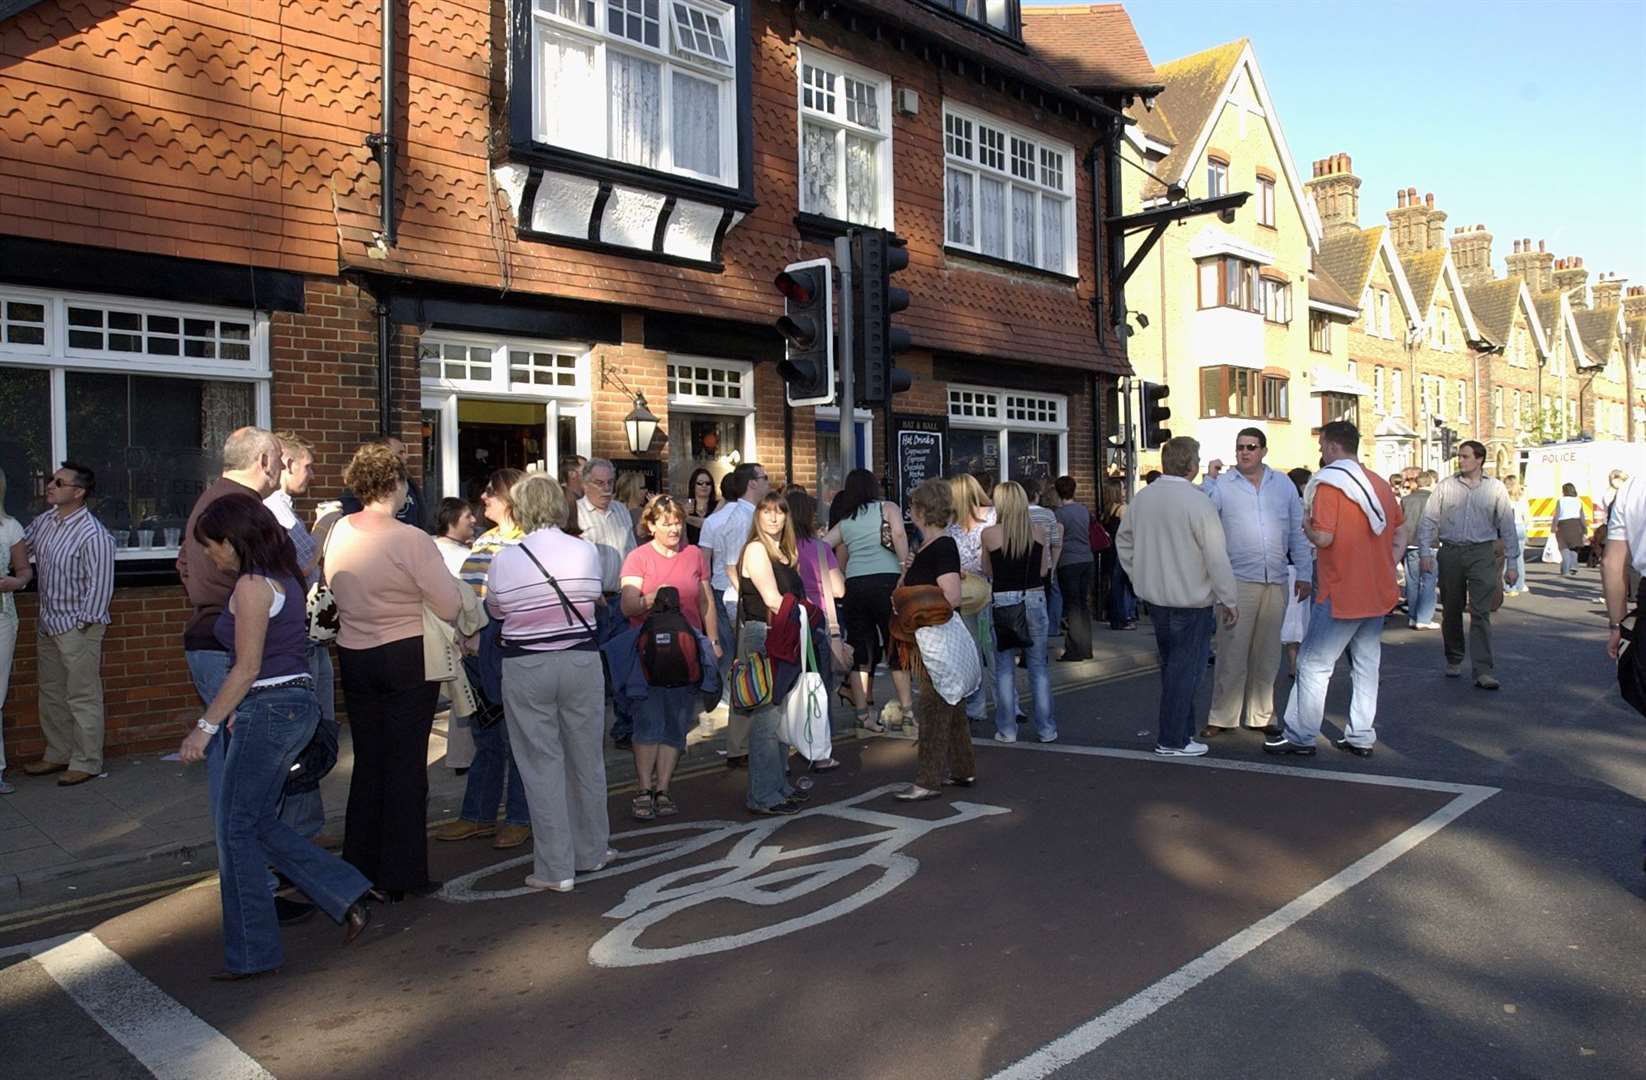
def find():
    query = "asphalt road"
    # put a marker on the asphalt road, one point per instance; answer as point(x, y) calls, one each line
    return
point(1466, 903)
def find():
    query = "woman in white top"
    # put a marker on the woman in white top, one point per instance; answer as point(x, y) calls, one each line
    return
point(1569, 527)
point(454, 532)
point(14, 553)
point(1523, 525)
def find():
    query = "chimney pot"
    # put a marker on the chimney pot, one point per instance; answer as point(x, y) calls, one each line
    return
point(1411, 195)
point(1539, 245)
point(1429, 200)
point(1348, 163)
point(1400, 198)
point(1517, 247)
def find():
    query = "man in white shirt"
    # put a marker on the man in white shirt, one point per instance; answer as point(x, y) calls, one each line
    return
point(1171, 545)
point(724, 533)
point(1621, 566)
point(606, 524)
point(1262, 518)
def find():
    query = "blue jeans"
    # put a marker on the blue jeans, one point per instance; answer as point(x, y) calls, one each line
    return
point(492, 754)
point(1040, 679)
point(1421, 589)
point(1317, 657)
point(305, 811)
point(271, 728)
point(608, 618)
point(1054, 606)
point(208, 670)
point(1122, 600)
point(1184, 638)
point(768, 761)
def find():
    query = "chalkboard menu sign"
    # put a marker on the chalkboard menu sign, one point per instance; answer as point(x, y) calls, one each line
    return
point(919, 447)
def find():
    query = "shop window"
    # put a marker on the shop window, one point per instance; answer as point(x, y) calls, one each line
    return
point(1006, 434)
point(711, 417)
point(144, 393)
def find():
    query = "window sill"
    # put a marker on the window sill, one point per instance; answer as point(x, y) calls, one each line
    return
point(1271, 228)
point(574, 163)
point(1007, 264)
point(821, 229)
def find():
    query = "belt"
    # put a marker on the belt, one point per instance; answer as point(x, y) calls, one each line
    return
point(301, 682)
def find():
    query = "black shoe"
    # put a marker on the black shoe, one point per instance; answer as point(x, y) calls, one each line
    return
point(1350, 748)
point(798, 796)
point(1280, 744)
point(394, 896)
point(623, 742)
point(356, 919)
point(464, 771)
point(783, 808)
point(292, 912)
point(240, 976)
point(737, 761)
point(959, 781)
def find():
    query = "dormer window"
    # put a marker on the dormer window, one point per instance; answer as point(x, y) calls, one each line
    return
point(1002, 15)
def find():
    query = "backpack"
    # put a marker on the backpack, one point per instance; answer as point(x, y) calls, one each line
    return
point(668, 645)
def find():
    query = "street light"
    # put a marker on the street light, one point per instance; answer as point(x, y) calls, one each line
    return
point(640, 425)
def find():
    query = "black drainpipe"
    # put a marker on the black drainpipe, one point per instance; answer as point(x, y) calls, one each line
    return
point(382, 142)
point(385, 397)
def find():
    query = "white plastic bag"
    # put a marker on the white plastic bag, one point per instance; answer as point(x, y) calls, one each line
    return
point(806, 709)
point(951, 658)
point(1551, 549)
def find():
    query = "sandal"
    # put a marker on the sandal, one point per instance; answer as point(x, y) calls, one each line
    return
point(663, 804)
point(870, 721)
point(643, 808)
point(827, 764)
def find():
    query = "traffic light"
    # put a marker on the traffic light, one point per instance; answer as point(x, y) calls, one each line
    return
point(1155, 414)
point(1448, 444)
point(876, 256)
point(807, 326)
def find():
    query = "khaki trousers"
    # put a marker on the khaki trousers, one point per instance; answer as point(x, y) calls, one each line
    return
point(1248, 657)
point(71, 697)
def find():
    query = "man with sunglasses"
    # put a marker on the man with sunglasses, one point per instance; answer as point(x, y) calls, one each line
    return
point(74, 560)
point(1262, 519)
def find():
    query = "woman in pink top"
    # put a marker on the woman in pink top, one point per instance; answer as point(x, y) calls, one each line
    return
point(382, 573)
point(663, 719)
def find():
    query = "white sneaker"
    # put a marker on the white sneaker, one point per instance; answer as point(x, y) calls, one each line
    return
point(1194, 749)
point(535, 882)
point(605, 861)
point(1001, 736)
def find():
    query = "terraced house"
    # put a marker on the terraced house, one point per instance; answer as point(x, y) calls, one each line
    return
point(492, 227)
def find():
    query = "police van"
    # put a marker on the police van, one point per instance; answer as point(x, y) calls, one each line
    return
point(1586, 464)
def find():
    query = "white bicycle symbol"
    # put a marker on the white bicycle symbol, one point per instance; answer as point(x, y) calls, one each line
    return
point(752, 872)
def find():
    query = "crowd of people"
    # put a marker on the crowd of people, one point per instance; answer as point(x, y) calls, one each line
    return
point(557, 611)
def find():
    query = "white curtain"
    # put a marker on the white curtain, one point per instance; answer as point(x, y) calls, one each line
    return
point(991, 216)
point(696, 124)
point(819, 178)
point(862, 185)
point(1023, 226)
point(564, 116)
point(1051, 233)
point(958, 205)
point(636, 109)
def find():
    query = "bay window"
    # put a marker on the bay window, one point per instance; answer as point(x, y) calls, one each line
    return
point(143, 392)
point(649, 83)
point(1229, 391)
point(1334, 407)
point(1230, 282)
point(845, 141)
point(1008, 193)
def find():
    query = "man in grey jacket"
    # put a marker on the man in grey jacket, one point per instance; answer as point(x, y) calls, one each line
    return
point(1171, 545)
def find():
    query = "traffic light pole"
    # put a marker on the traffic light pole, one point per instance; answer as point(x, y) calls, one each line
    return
point(1131, 439)
point(844, 360)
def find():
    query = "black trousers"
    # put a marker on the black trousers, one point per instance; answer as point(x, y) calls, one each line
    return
point(391, 710)
point(1076, 583)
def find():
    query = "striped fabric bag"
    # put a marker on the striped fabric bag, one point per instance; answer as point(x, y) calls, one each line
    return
point(751, 682)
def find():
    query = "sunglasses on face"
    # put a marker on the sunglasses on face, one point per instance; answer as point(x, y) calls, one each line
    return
point(1248, 448)
point(59, 482)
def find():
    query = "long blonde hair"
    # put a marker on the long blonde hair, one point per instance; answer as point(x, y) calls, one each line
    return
point(967, 495)
point(1011, 514)
point(785, 548)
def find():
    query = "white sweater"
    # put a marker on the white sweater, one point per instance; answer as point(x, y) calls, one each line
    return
point(1171, 545)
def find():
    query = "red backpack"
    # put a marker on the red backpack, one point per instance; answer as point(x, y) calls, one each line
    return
point(668, 644)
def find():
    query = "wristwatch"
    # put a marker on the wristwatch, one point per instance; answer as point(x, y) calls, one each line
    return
point(207, 726)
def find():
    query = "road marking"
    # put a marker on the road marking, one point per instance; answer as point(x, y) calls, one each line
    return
point(1100, 1029)
point(166, 1039)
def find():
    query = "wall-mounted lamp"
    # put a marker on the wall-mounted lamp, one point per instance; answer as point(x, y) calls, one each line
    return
point(640, 425)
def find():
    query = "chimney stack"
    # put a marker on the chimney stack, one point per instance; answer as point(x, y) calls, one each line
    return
point(1535, 266)
point(1608, 291)
point(1634, 302)
point(1415, 224)
point(1336, 193)
point(1472, 254)
point(1572, 279)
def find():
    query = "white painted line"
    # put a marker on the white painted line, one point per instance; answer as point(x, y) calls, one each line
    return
point(166, 1039)
point(1145, 1003)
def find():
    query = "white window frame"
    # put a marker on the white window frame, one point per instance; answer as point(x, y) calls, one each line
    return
point(1378, 384)
point(1383, 314)
point(58, 359)
point(863, 418)
point(546, 26)
point(1397, 392)
point(1497, 406)
point(838, 121)
point(741, 406)
point(1217, 178)
point(995, 398)
point(1266, 202)
point(1462, 401)
point(974, 167)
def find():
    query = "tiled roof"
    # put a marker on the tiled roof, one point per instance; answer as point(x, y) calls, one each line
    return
point(1192, 86)
point(1597, 328)
point(1347, 258)
point(1094, 47)
point(1493, 304)
point(1322, 287)
point(1423, 270)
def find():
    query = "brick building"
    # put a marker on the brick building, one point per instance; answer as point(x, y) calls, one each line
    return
point(586, 201)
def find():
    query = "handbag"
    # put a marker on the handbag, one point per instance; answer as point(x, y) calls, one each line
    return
point(321, 620)
point(975, 593)
point(1011, 627)
point(886, 531)
point(751, 682)
point(1098, 537)
point(950, 658)
point(805, 724)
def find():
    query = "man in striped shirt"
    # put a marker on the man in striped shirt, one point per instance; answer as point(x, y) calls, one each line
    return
point(74, 559)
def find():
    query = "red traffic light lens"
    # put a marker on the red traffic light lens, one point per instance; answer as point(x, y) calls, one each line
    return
point(795, 288)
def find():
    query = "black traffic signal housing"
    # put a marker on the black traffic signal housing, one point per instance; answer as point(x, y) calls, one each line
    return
point(1448, 444)
point(1155, 415)
point(876, 256)
point(807, 326)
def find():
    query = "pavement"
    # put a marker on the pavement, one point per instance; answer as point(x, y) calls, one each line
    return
point(146, 819)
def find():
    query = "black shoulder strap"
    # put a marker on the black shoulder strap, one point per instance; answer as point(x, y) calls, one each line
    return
point(564, 599)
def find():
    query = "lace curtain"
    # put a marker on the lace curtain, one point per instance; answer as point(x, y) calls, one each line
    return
point(568, 88)
point(862, 186)
point(819, 178)
point(636, 109)
point(1023, 226)
point(1051, 233)
point(696, 124)
point(958, 205)
point(992, 216)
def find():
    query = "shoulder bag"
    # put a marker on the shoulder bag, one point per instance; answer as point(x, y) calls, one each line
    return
point(565, 600)
point(806, 710)
point(886, 531)
point(750, 678)
point(321, 620)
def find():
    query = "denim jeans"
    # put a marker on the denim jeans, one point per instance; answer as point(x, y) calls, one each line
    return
point(271, 728)
point(608, 617)
point(768, 761)
point(977, 702)
point(305, 811)
point(8, 646)
point(1040, 679)
point(1122, 600)
point(1054, 606)
point(1184, 638)
point(208, 670)
point(1568, 560)
point(492, 755)
point(1422, 588)
point(1317, 657)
